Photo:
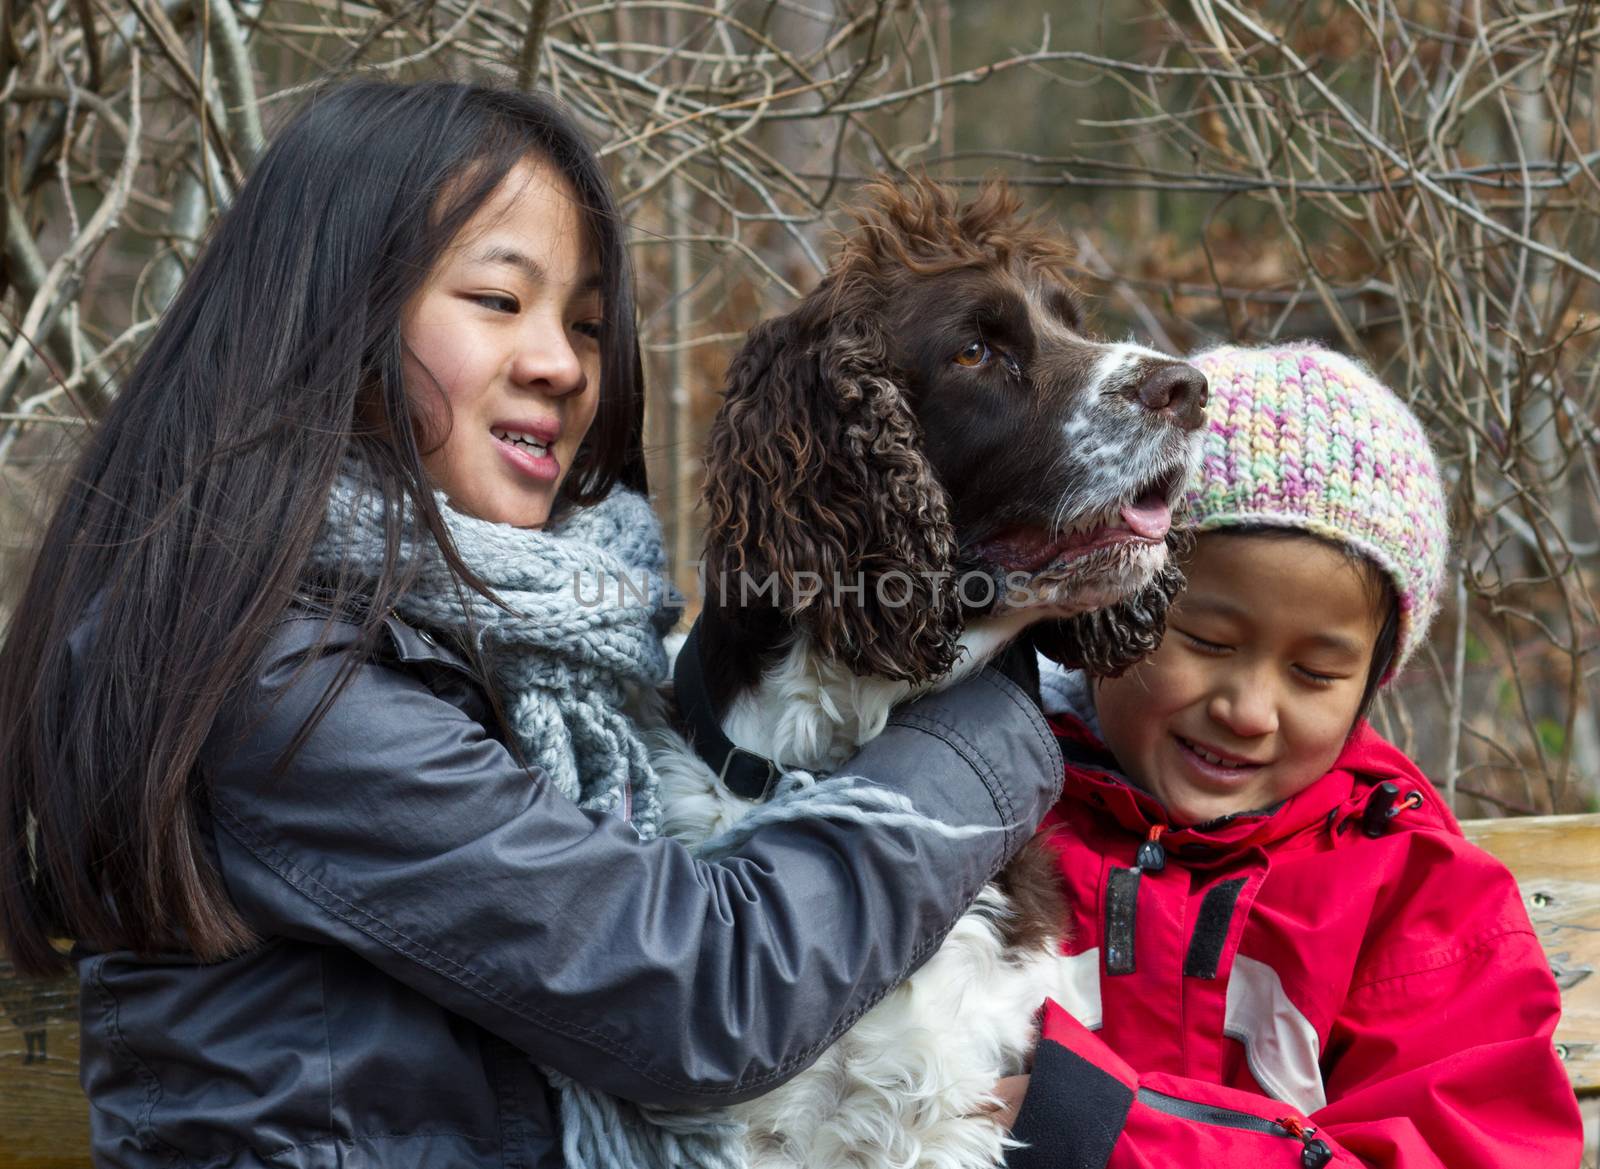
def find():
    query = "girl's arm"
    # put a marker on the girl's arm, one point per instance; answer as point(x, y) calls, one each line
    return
point(402, 832)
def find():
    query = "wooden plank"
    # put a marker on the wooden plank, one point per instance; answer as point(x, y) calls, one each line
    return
point(1556, 860)
point(44, 1119)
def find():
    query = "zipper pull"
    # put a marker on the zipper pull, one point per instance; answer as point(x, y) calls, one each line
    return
point(1315, 1153)
point(1152, 856)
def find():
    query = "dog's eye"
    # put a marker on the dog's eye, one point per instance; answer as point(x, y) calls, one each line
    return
point(976, 353)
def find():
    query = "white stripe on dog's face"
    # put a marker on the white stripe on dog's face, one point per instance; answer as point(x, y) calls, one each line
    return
point(1108, 441)
point(1120, 367)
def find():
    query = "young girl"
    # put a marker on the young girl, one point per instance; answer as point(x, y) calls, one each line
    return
point(326, 774)
point(1283, 952)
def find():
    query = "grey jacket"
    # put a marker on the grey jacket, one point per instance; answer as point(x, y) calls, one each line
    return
point(433, 923)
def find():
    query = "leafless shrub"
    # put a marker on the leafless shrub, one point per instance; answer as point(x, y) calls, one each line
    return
point(1413, 181)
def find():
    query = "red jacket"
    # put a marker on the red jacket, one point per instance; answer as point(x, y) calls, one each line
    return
point(1342, 980)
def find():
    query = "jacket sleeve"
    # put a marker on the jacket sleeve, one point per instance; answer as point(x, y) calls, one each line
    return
point(401, 831)
point(1446, 1066)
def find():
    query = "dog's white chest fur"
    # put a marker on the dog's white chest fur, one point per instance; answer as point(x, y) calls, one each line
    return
point(907, 1084)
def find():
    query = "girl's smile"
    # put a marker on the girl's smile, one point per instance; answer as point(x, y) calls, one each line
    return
point(506, 332)
point(528, 446)
point(1255, 689)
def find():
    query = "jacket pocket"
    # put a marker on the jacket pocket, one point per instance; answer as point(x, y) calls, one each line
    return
point(200, 1062)
point(1315, 1151)
point(123, 1089)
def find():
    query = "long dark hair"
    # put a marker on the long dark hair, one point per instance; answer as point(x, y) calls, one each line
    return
point(185, 529)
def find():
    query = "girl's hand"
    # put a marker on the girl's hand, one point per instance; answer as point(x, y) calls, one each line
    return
point(1010, 1092)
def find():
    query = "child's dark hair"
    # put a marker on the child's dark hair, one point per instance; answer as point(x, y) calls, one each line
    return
point(184, 531)
point(1381, 594)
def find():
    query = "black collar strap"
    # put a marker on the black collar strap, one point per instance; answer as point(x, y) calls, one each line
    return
point(746, 774)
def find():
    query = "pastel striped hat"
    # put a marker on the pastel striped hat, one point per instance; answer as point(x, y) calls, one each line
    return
point(1298, 436)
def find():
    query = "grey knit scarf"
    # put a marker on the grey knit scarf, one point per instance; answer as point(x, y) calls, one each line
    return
point(590, 602)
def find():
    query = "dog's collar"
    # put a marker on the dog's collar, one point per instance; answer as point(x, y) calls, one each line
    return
point(746, 774)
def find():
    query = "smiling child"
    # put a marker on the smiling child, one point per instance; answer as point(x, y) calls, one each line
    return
point(1282, 951)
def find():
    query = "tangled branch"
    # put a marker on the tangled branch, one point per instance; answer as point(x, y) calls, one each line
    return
point(1417, 181)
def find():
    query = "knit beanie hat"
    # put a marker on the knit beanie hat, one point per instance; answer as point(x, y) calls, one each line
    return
point(1300, 437)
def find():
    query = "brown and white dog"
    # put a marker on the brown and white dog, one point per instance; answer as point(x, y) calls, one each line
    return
point(922, 459)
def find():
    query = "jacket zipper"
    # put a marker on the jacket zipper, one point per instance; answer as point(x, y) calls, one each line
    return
point(1315, 1152)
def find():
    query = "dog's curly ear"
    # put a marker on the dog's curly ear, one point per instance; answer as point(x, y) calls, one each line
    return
point(1106, 642)
point(817, 489)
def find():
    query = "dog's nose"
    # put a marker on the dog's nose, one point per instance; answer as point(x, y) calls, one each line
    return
point(1178, 391)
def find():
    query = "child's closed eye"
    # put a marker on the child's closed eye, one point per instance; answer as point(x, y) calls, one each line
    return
point(1202, 645)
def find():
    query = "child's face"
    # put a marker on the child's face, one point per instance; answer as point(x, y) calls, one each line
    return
point(1255, 688)
point(507, 326)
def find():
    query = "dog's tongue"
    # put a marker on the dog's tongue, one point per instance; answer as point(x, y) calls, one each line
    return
point(1148, 517)
point(1031, 549)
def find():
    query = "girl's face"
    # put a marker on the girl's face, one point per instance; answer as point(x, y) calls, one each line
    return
point(507, 328)
point(1255, 688)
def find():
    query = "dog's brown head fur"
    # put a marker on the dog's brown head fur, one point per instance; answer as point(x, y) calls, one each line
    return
point(905, 421)
point(918, 227)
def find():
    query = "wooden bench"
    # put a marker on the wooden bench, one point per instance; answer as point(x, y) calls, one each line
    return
point(44, 1118)
point(1556, 860)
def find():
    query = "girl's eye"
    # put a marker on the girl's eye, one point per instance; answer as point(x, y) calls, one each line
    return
point(496, 302)
point(975, 354)
point(590, 329)
point(1204, 646)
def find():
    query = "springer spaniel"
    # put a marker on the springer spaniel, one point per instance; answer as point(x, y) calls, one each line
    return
point(925, 457)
